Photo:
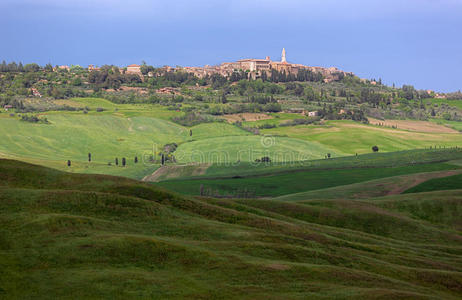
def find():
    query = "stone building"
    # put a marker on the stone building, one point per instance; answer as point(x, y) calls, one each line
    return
point(133, 69)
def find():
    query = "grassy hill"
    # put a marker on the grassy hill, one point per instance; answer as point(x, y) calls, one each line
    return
point(279, 179)
point(129, 130)
point(438, 184)
point(373, 188)
point(92, 236)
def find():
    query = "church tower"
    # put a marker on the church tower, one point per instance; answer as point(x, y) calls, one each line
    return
point(283, 58)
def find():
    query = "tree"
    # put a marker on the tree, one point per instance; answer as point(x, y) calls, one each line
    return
point(48, 67)
point(89, 157)
point(375, 149)
point(124, 162)
point(265, 159)
point(163, 159)
point(68, 163)
point(136, 159)
point(117, 161)
point(328, 155)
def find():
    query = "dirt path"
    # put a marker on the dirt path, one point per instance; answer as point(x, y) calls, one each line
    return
point(130, 127)
point(415, 179)
point(170, 172)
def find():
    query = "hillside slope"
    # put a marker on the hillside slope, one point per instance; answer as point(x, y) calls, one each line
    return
point(92, 236)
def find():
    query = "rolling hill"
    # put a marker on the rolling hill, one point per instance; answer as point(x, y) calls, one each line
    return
point(74, 235)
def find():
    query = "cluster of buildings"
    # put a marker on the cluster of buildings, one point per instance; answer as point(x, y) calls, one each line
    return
point(130, 69)
point(255, 68)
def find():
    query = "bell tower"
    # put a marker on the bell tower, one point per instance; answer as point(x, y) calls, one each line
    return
point(283, 57)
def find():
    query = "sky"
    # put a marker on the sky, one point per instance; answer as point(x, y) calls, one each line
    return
point(417, 42)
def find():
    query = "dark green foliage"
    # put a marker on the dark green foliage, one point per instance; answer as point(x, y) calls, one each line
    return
point(375, 149)
point(124, 162)
point(264, 159)
point(68, 163)
point(192, 119)
point(34, 119)
point(305, 121)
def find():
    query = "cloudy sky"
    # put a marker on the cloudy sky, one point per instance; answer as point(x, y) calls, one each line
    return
point(415, 42)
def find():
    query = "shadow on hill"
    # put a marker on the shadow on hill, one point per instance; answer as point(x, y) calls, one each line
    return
point(97, 236)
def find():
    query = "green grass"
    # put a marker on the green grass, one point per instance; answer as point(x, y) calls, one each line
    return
point(369, 189)
point(453, 124)
point(295, 182)
point(73, 136)
point(348, 137)
point(371, 160)
point(129, 130)
point(107, 136)
point(73, 236)
point(455, 103)
point(233, 149)
point(438, 184)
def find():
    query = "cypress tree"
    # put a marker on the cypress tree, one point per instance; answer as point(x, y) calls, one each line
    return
point(68, 163)
point(89, 157)
point(117, 161)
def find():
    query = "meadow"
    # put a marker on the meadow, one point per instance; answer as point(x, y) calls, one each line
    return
point(295, 182)
point(141, 130)
point(438, 184)
point(95, 236)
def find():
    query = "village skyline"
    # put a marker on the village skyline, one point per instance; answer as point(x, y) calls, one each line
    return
point(392, 40)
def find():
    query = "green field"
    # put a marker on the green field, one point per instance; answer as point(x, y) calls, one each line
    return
point(348, 137)
point(141, 130)
point(73, 236)
point(455, 103)
point(438, 184)
point(453, 124)
point(295, 182)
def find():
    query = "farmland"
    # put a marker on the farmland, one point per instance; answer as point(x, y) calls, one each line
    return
point(141, 130)
point(281, 181)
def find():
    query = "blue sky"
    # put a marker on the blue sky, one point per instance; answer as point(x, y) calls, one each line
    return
point(401, 41)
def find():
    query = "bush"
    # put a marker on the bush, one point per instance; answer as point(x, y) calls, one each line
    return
point(296, 122)
point(192, 119)
point(34, 119)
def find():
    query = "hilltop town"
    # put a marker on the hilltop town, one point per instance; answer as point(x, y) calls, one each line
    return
point(258, 68)
point(253, 67)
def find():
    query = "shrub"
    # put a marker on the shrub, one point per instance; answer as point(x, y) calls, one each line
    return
point(34, 119)
point(192, 119)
